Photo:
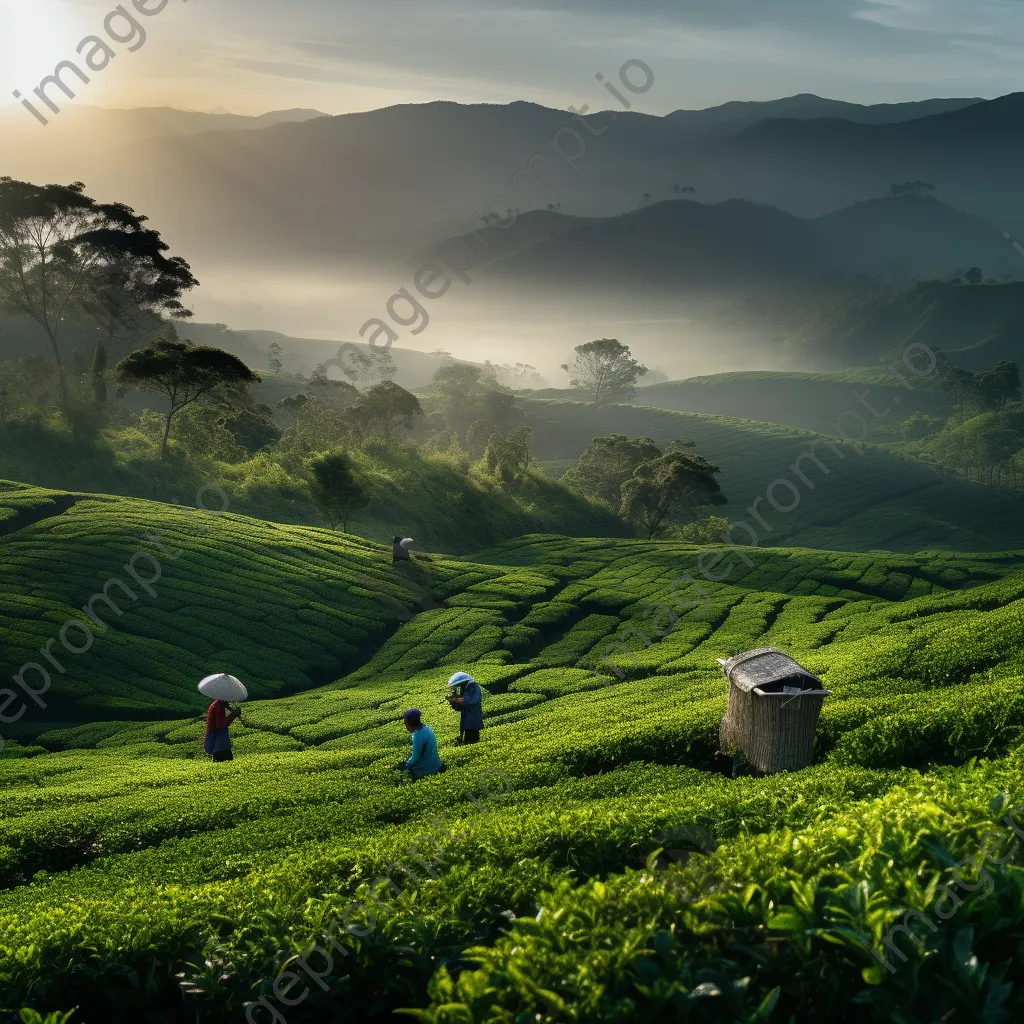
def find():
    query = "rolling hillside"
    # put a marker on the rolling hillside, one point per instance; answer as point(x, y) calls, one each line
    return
point(870, 501)
point(975, 325)
point(306, 608)
point(287, 607)
point(311, 605)
point(808, 400)
point(550, 822)
point(738, 244)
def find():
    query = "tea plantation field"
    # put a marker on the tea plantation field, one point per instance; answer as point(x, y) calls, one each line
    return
point(859, 499)
point(142, 882)
point(286, 607)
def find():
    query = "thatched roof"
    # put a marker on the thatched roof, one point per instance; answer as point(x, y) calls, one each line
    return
point(767, 668)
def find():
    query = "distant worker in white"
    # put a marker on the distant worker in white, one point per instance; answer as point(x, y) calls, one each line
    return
point(466, 697)
point(400, 551)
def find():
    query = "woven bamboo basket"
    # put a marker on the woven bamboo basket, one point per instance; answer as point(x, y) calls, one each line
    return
point(774, 704)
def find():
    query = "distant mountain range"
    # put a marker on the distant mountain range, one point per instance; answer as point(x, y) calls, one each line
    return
point(733, 117)
point(380, 185)
point(91, 124)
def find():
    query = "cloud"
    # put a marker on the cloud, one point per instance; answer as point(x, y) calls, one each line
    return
point(794, 14)
point(951, 18)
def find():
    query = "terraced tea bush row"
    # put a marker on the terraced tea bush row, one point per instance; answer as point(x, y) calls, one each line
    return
point(285, 607)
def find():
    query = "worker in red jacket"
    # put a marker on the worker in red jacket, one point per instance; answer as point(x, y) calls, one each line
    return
point(217, 742)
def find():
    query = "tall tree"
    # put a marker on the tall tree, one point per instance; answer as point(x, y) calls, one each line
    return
point(606, 370)
point(466, 393)
point(184, 373)
point(132, 289)
point(675, 487)
point(336, 489)
point(478, 436)
point(274, 357)
point(338, 395)
point(45, 253)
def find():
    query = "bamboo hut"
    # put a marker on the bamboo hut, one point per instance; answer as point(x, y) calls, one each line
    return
point(774, 703)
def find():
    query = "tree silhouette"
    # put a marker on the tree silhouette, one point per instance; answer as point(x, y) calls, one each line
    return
point(920, 189)
point(183, 373)
point(384, 411)
point(336, 489)
point(133, 287)
point(274, 357)
point(606, 369)
point(56, 242)
point(675, 486)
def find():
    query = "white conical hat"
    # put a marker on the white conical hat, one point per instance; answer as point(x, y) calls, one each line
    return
point(223, 687)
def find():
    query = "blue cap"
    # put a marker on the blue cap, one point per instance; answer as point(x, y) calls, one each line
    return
point(412, 715)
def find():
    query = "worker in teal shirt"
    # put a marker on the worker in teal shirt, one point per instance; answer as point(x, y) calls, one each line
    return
point(424, 760)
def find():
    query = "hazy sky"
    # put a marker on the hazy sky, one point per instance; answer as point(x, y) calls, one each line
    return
point(254, 55)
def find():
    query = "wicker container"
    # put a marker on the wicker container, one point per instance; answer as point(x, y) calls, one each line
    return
point(774, 703)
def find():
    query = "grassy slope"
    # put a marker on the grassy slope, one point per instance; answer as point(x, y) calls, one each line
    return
point(287, 607)
point(808, 400)
point(922, 654)
point(976, 325)
point(869, 501)
point(430, 498)
point(300, 355)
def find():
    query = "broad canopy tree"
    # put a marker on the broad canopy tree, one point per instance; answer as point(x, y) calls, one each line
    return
point(643, 484)
point(385, 412)
point(62, 252)
point(981, 390)
point(132, 290)
point(606, 370)
point(676, 486)
point(184, 373)
point(994, 388)
point(606, 464)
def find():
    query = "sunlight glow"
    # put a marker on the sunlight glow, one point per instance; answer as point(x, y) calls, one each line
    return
point(35, 35)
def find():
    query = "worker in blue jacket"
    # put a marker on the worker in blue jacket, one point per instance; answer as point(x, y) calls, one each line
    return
point(425, 759)
point(466, 697)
